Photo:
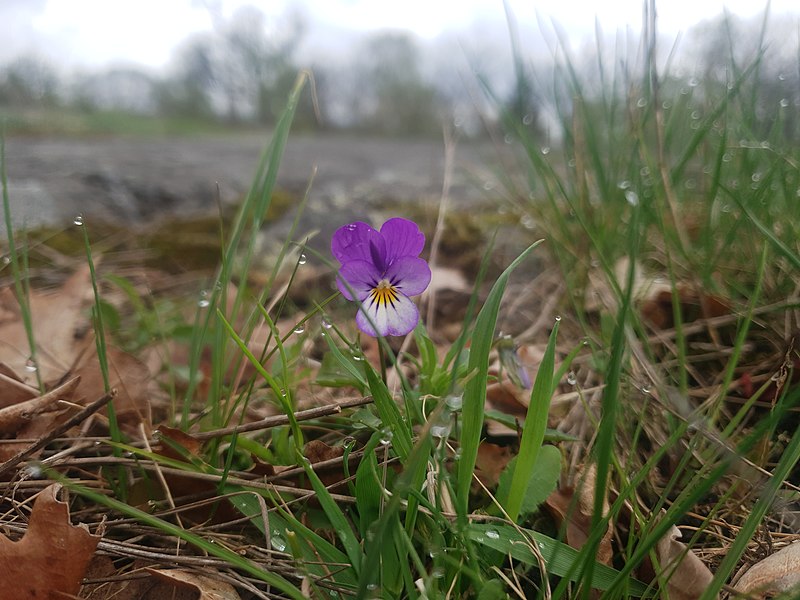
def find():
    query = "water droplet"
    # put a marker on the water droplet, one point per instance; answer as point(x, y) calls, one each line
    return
point(454, 401)
point(727, 157)
point(97, 442)
point(545, 150)
point(78, 220)
point(278, 543)
point(437, 573)
point(666, 105)
point(527, 221)
point(624, 184)
point(781, 77)
point(756, 176)
point(488, 185)
point(326, 324)
point(302, 260)
point(30, 365)
point(34, 471)
point(572, 379)
point(558, 318)
point(204, 302)
point(784, 102)
point(358, 357)
point(6, 260)
point(690, 184)
point(527, 119)
point(695, 114)
point(458, 122)
point(632, 198)
point(645, 389)
point(641, 102)
point(693, 82)
point(440, 431)
point(386, 436)
point(299, 329)
point(508, 138)
point(492, 535)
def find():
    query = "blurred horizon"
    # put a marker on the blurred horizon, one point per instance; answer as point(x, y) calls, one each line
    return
point(398, 69)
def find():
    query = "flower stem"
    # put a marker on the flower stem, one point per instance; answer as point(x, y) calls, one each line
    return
point(382, 358)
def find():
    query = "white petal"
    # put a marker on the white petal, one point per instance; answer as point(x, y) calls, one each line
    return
point(396, 317)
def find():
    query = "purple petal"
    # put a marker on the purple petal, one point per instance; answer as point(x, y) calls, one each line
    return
point(360, 276)
point(397, 317)
point(357, 241)
point(403, 238)
point(409, 275)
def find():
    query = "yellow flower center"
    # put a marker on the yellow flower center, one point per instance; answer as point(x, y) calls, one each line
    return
point(384, 293)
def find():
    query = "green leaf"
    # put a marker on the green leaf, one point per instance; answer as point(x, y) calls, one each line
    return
point(541, 479)
point(493, 590)
point(333, 373)
point(390, 414)
point(368, 494)
point(558, 557)
point(475, 389)
point(336, 517)
point(535, 426)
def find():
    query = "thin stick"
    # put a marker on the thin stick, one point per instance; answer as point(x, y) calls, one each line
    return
point(78, 417)
point(303, 415)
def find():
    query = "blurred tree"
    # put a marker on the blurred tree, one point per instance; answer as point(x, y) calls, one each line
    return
point(29, 81)
point(125, 89)
point(189, 89)
point(390, 94)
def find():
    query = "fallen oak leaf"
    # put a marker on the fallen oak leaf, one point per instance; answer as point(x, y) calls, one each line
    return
point(50, 560)
point(208, 587)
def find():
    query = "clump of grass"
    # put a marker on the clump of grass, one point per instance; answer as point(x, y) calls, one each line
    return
point(672, 212)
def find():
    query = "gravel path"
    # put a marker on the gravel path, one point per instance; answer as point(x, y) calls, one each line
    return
point(136, 180)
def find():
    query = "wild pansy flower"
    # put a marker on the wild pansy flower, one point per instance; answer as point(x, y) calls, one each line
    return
point(381, 270)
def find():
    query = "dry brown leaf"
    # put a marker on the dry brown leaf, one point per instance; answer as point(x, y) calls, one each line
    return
point(132, 582)
point(46, 408)
point(51, 558)
point(208, 587)
point(130, 377)
point(490, 463)
point(60, 323)
point(575, 505)
point(688, 575)
point(185, 440)
point(775, 575)
point(12, 389)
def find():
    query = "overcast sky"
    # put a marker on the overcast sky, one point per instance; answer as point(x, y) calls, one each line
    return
point(90, 33)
